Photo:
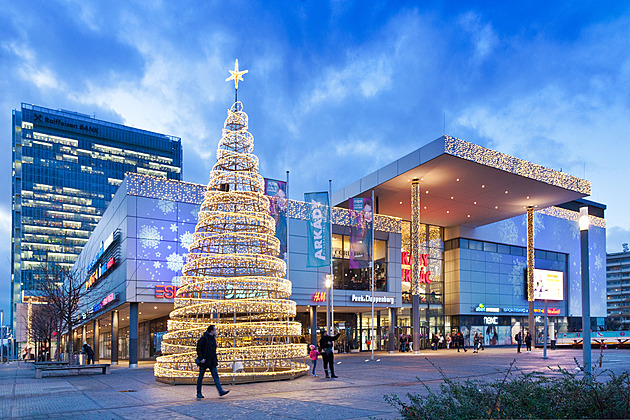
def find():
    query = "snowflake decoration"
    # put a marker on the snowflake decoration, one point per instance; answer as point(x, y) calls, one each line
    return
point(166, 206)
point(169, 247)
point(195, 212)
point(175, 262)
point(186, 240)
point(598, 262)
point(173, 227)
point(158, 254)
point(149, 237)
point(157, 264)
point(176, 281)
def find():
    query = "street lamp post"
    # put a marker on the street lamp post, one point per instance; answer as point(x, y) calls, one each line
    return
point(545, 333)
point(328, 305)
point(586, 292)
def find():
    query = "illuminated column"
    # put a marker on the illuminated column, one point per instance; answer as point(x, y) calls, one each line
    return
point(95, 336)
point(530, 269)
point(313, 310)
point(415, 263)
point(586, 291)
point(114, 346)
point(392, 330)
point(133, 334)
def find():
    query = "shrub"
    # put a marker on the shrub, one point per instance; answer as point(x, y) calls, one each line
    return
point(528, 395)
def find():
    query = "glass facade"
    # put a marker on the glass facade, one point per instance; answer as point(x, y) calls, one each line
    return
point(66, 169)
point(347, 278)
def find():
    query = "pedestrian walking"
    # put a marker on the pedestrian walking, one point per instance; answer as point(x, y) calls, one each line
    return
point(207, 360)
point(519, 341)
point(89, 353)
point(328, 356)
point(528, 342)
point(460, 342)
point(403, 343)
point(441, 341)
point(448, 341)
point(476, 343)
point(434, 342)
point(481, 341)
point(314, 353)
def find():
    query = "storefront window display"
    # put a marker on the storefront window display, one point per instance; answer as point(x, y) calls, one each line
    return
point(347, 278)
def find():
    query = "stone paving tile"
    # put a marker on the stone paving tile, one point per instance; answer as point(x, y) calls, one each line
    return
point(112, 399)
point(149, 412)
point(42, 405)
point(206, 409)
point(301, 409)
point(42, 387)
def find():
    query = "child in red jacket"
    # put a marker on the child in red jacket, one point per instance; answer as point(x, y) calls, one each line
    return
point(314, 353)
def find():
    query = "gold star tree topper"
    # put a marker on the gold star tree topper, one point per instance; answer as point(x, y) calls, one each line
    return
point(236, 75)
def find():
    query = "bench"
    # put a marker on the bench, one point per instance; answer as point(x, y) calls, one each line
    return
point(50, 363)
point(74, 369)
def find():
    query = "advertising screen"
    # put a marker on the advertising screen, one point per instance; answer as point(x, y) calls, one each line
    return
point(548, 285)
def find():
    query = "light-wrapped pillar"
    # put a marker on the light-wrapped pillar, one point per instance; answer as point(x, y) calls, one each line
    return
point(415, 263)
point(530, 269)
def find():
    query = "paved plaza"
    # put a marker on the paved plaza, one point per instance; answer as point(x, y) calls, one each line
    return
point(357, 394)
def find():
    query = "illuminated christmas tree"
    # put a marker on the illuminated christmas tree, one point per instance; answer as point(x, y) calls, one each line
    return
point(233, 277)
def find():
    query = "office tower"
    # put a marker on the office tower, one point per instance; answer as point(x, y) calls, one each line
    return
point(66, 168)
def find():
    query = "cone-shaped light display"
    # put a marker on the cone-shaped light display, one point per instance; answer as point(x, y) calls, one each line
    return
point(233, 278)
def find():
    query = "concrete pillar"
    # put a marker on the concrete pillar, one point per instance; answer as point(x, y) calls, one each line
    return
point(392, 330)
point(133, 335)
point(114, 346)
point(379, 331)
point(313, 314)
point(95, 336)
point(415, 263)
point(530, 269)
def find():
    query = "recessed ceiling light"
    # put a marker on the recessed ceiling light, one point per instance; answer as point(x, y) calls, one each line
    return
point(496, 207)
point(425, 207)
point(506, 191)
point(421, 179)
point(427, 191)
point(457, 179)
point(474, 202)
point(401, 202)
point(155, 307)
point(469, 215)
point(528, 197)
point(451, 197)
point(447, 211)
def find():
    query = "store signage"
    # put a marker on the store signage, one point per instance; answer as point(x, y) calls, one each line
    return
point(105, 301)
point(37, 118)
point(516, 310)
point(407, 261)
point(482, 308)
point(101, 250)
point(491, 320)
point(550, 311)
point(549, 284)
point(163, 291)
point(369, 298)
point(319, 297)
point(100, 272)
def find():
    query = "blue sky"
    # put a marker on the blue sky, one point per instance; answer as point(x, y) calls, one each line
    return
point(335, 89)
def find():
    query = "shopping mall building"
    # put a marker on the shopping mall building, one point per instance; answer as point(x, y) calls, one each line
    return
point(472, 210)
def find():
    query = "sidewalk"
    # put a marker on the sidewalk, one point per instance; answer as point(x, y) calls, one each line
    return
point(357, 394)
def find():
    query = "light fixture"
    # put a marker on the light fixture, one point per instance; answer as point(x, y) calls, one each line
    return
point(584, 221)
point(427, 191)
point(155, 307)
point(452, 197)
point(474, 202)
point(506, 191)
point(447, 211)
point(401, 202)
point(457, 179)
point(469, 215)
point(496, 207)
point(483, 186)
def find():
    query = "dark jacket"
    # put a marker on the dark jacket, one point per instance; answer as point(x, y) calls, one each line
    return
point(86, 349)
point(207, 349)
point(326, 342)
point(528, 339)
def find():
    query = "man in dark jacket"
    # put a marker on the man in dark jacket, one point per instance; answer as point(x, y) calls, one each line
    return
point(328, 356)
point(207, 353)
point(89, 353)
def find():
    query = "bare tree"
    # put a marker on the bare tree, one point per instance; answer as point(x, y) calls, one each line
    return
point(43, 325)
point(64, 292)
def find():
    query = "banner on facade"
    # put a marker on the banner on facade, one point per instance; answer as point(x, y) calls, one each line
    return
point(361, 217)
point(318, 232)
point(277, 193)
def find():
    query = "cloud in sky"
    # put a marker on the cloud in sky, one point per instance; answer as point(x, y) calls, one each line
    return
point(336, 90)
